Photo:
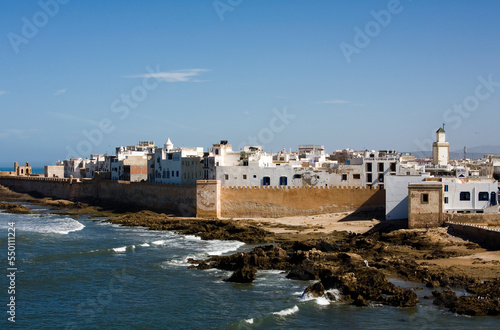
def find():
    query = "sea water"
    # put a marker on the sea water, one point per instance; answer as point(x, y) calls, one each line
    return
point(88, 274)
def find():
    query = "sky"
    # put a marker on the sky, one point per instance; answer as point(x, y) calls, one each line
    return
point(82, 77)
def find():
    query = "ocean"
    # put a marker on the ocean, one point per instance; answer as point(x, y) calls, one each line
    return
point(86, 274)
point(34, 170)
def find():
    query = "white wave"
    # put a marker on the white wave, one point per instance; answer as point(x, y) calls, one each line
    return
point(324, 299)
point(249, 321)
point(144, 244)
point(220, 247)
point(132, 247)
point(334, 293)
point(50, 224)
point(192, 237)
point(120, 249)
point(179, 262)
point(288, 311)
point(160, 242)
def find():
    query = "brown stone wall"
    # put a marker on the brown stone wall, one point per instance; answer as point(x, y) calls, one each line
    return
point(238, 202)
point(208, 204)
point(485, 237)
point(423, 214)
point(52, 187)
point(151, 196)
point(487, 219)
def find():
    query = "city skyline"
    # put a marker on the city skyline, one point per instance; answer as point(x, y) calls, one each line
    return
point(84, 78)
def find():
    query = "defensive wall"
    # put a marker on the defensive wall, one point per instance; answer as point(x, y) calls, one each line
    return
point(484, 236)
point(207, 198)
point(152, 196)
point(268, 201)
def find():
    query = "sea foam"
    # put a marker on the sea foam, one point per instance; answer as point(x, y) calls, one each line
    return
point(288, 311)
point(120, 249)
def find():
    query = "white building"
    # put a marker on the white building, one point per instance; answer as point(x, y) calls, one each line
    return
point(178, 165)
point(252, 167)
point(396, 194)
point(75, 167)
point(475, 195)
point(132, 162)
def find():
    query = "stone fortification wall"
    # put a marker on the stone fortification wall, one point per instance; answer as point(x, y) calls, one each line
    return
point(52, 187)
point(238, 202)
point(207, 198)
point(487, 219)
point(489, 238)
point(152, 196)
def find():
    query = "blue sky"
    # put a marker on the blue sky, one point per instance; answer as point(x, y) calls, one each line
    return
point(82, 77)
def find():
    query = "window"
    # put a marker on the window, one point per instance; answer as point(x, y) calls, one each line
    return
point(216, 151)
point(283, 181)
point(446, 200)
point(381, 177)
point(254, 176)
point(425, 198)
point(217, 164)
point(484, 196)
point(266, 181)
point(368, 167)
point(465, 196)
point(297, 176)
point(177, 173)
point(445, 187)
point(244, 176)
point(344, 177)
point(226, 176)
point(393, 167)
point(493, 200)
point(356, 176)
point(369, 178)
point(380, 167)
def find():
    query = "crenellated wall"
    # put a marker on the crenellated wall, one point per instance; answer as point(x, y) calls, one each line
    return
point(267, 201)
point(207, 198)
point(152, 196)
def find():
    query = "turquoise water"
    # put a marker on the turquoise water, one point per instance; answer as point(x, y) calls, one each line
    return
point(86, 274)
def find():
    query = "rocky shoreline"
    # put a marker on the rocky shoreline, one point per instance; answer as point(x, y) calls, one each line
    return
point(357, 265)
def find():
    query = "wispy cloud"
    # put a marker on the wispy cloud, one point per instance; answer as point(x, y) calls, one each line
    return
point(174, 76)
point(19, 133)
point(60, 91)
point(332, 102)
point(2, 92)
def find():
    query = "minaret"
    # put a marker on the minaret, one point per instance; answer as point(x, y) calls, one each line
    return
point(440, 149)
point(169, 145)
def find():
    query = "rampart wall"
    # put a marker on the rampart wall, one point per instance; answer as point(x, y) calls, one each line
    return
point(487, 237)
point(207, 198)
point(487, 219)
point(151, 196)
point(237, 202)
